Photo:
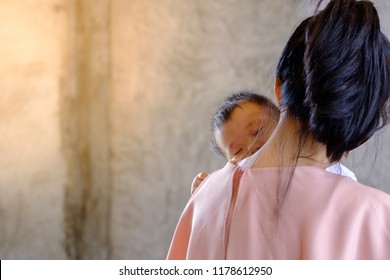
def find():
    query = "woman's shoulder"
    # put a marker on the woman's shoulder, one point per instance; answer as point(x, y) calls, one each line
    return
point(342, 183)
point(365, 196)
point(318, 184)
point(340, 199)
point(349, 197)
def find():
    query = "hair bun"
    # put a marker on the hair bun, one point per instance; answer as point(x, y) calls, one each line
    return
point(346, 65)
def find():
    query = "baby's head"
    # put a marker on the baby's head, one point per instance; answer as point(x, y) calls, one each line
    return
point(242, 125)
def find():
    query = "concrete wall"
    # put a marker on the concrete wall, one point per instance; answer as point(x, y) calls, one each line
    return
point(105, 109)
point(32, 165)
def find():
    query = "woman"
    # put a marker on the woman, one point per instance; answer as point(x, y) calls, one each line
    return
point(333, 86)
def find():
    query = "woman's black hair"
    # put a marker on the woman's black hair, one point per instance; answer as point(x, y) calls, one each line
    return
point(335, 75)
point(229, 104)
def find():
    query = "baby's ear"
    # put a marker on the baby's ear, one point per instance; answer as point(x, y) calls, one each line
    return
point(277, 87)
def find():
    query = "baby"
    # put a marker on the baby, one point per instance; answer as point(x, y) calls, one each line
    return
point(241, 126)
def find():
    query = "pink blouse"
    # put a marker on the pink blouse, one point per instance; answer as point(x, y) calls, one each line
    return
point(233, 215)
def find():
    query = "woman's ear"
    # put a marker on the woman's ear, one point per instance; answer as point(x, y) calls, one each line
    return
point(277, 87)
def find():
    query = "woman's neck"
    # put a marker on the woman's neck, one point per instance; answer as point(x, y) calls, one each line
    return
point(289, 145)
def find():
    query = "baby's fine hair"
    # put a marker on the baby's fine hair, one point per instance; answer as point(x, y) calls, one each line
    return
point(224, 112)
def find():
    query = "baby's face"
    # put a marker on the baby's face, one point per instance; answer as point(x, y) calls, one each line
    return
point(247, 130)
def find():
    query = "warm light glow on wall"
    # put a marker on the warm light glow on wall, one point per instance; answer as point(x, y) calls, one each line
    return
point(32, 167)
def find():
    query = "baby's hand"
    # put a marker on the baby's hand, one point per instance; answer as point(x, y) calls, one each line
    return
point(197, 181)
